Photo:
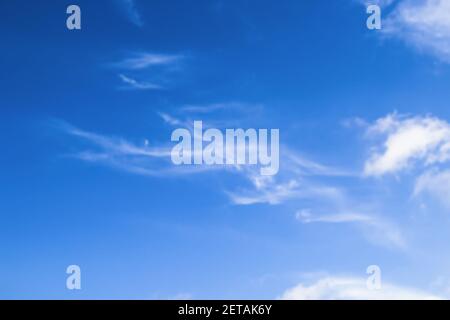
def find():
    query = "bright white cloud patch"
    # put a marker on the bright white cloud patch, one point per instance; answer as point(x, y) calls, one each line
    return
point(352, 288)
point(423, 24)
point(407, 140)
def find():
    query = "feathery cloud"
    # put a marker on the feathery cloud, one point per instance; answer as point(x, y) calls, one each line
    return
point(227, 106)
point(136, 64)
point(138, 85)
point(292, 182)
point(377, 230)
point(118, 152)
point(305, 216)
point(144, 60)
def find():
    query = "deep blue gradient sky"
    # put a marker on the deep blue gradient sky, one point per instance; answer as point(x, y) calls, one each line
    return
point(310, 68)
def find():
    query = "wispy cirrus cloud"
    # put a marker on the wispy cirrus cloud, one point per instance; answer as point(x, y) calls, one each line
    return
point(271, 193)
point(225, 106)
point(300, 178)
point(174, 121)
point(144, 60)
point(131, 11)
point(376, 229)
point(118, 152)
point(353, 288)
point(305, 216)
point(276, 192)
point(135, 66)
point(215, 115)
point(295, 181)
point(306, 167)
point(290, 184)
point(143, 159)
point(131, 83)
point(121, 154)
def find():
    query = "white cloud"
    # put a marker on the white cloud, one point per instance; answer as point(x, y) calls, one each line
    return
point(294, 181)
point(377, 230)
point(305, 216)
point(228, 106)
point(353, 288)
point(408, 140)
point(138, 159)
point(287, 185)
point(137, 63)
point(116, 145)
point(272, 194)
point(134, 84)
point(120, 153)
point(303, 166)
point(423, 24)
point(273, 190)
point(144, 60)
point(231, 114)
point(170, 120)
point(435, 183)
point(141, 159)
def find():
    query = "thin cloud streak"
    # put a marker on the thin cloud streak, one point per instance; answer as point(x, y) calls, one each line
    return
point(375, 229)
point(145, 60)
point(134, 84)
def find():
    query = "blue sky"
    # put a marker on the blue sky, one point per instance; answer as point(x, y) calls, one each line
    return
point(86, 122)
